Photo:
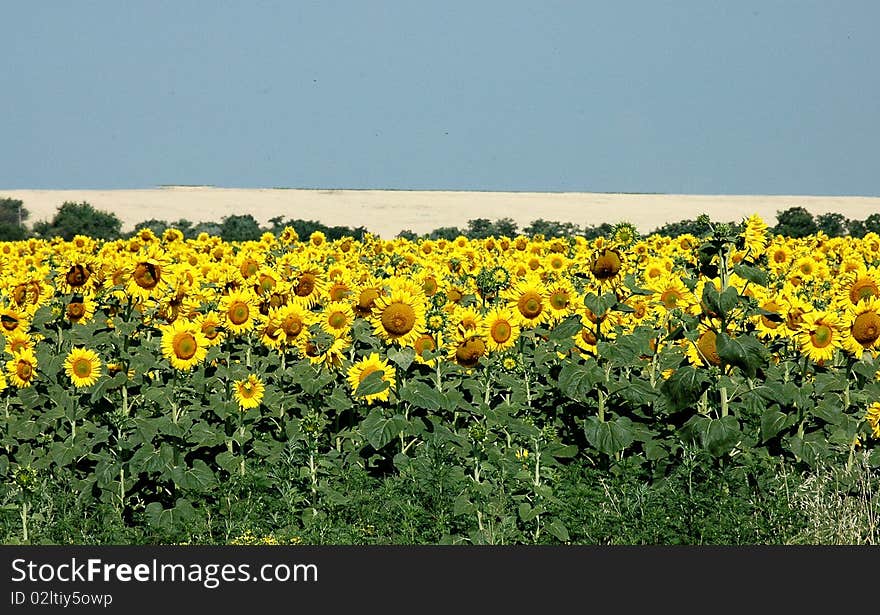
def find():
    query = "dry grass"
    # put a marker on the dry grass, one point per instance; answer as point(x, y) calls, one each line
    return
point(842, 505)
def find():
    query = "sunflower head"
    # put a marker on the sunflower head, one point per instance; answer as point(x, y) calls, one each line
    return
point(249, 392)
point(83, 367)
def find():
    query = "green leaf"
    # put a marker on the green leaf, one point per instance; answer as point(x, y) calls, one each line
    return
point(568, 328)
point(576, 380)
point(609, 437)
point(403, 357)
point(722, 435)
point(423, 396)
point(752, 274)
point(29, 398)
point(198, 478)
point(684, 386)
point(744, 352)
point(170, 518)
point(228, 461)
point(373, 383)
point(558, 529)
point(772, 422)
point(462, 506)
point(379, 430)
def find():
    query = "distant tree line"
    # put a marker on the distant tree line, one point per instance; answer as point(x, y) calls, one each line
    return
point(73, 218)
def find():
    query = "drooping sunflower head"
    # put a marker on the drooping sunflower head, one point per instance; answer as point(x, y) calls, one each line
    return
point(467, 350)
point(22, 368)
point(83, 367)
point(249, 392)
point(12, 319)
point(605, 265)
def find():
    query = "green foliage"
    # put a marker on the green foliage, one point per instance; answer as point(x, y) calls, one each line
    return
point(795, 222)
point(73, 219)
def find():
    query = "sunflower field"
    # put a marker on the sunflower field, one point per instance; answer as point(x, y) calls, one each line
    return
point(200, 389)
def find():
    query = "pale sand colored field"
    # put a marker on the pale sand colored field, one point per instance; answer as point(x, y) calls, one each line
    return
point(387, 212)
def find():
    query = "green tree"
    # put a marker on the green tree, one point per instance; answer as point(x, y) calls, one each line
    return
point(73, 219)
point(795, 222)
point(12, 217)
point(240, 228)
point(872, 224)
point(832, 224)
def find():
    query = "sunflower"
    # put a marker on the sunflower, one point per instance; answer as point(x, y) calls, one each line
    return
point(858, 285)
point(704, 350)
point(864, 329)
point(820, 335)
point(324, 349)
point(467, 350)
point(365, 298)
point(336, 318)
point(499, 329)
point(464, 319)
point(424, 344)
point(366, 366)
point(294, 321)
point(22, 368)
point(755, 236)
point(308, 286)
point(210, 326)
point(183, 344)
point(779, 256)
point(83, 367)
point(872, 416)
point(17, 341)
point(671, 293)
point(239, 309)
point(149, 278)
point(12, 319)
point(769, 326)
point(249, 392)
point(561, 300)
point(80, 310)
point(528, 300)
point(399, 317)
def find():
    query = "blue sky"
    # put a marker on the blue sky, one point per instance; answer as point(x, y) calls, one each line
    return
point(694, 97)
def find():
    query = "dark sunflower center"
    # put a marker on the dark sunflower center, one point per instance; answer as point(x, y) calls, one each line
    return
point(76, 311)
point(529, 304)
point(821, 336)
point(305, 285)
point(77, 276)
point(501, 331)
point(866, 328)
point(292, 325)
point(147, 275)
point(559, 300)
point(185, 346)
point(238, 312)
point(398, 319)
point(337, 320)
point(82, 368)
point(468, 354)
point(24, 370)
point(606, 265)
